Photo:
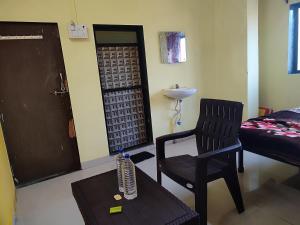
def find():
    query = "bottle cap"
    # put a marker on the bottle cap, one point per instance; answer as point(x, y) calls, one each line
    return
point(127, 156)
point(120, 150)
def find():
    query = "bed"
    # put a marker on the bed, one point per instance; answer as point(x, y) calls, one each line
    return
point(276, 136)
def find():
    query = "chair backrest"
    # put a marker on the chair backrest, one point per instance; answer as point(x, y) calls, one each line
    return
point(218, 124)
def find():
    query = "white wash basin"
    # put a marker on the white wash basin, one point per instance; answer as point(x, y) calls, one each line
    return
point(179, 93)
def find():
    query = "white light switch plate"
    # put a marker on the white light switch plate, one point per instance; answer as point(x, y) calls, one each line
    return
point(78, 31)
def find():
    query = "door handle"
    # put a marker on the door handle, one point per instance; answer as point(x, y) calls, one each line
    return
point(60, 92)
point(62, 84)
point(63, 89)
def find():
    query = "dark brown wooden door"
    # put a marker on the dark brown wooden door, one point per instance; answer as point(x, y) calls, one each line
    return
point(37, 124)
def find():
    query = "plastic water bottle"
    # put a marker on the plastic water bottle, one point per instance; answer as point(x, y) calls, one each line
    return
point(119, 162)
point(129, 178)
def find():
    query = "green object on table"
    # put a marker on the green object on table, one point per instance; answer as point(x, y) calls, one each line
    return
point(117, 209)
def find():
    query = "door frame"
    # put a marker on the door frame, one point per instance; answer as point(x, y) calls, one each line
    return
point(144, 77)
point(79, 166)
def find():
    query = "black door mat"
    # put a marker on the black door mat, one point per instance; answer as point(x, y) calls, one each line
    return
point(139, 157)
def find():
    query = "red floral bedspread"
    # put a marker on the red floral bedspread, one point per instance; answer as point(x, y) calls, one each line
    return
point(276, 135)
point(273, 126)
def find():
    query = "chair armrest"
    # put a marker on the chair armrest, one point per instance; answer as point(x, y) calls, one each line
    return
point(208, 155)
point(202, 160)
point(160, 141)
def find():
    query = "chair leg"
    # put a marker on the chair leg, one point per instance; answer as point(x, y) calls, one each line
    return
point(241, 161)
point(201, 202)
point(233, 185)
point(158, 176)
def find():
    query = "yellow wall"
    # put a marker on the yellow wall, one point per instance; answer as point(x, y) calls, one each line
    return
point(7, 188)
point(216, 64)
point(278, 90)
point(190, 16)
point(228, 75)
point(233, 70)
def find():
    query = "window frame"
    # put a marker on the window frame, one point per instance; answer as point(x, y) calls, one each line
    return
point(293, 34)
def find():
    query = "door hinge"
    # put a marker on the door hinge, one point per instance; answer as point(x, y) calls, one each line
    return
point(13, 174)
point(2, 117)
point(16, 180)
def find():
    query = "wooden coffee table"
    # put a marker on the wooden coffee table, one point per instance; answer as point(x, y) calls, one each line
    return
point(153, 206)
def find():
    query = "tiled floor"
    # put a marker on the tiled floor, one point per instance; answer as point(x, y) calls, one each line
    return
point(268, 200)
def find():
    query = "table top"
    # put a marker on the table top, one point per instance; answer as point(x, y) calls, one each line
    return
point(153, 206)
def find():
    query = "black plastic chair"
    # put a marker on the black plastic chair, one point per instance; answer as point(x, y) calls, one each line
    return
point(217, 143)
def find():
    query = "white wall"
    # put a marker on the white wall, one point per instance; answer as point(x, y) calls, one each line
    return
point(252, 58)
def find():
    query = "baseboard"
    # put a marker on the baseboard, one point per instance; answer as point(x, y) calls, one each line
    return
point(185, 139)
point(95, 162)
point(180, 140)
point(14, 219)
point(14, 216)
point(109, 159)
